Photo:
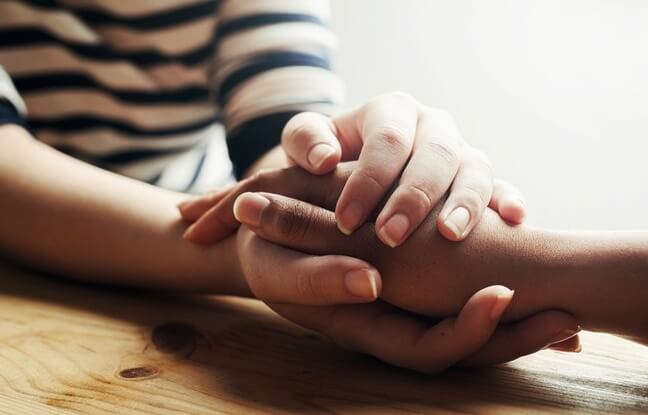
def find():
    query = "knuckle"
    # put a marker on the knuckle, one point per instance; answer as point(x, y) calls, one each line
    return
point(374, 179)
point(301, 132)
point(393, 136)
point(294, 223)
point(423, 196)
point(444, 151)
point(474, 196)
point(305, 285)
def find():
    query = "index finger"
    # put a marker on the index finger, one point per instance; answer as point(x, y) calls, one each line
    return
point(387, 127)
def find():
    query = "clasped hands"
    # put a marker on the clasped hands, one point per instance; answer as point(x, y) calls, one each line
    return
point(363, 251)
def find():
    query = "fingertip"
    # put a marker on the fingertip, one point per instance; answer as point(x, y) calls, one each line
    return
point(512, 210)
point(322, 158)
point(248, 208)
point(445, 231)
point(350, 216)
point(501, 303)
point(363, 283)
point(455, 225)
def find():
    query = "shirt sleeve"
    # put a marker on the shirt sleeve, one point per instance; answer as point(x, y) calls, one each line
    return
point(12, 107)
point(272, 60)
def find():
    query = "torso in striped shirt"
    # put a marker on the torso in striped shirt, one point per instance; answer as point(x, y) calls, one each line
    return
point(141, 87)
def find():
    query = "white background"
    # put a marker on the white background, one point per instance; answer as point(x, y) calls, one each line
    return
point(554, 91)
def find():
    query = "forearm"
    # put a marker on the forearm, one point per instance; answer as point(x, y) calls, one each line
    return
point(69, 217)
point(601, 278)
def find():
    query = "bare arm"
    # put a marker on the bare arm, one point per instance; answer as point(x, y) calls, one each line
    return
point(66, 216)
point(601, 278)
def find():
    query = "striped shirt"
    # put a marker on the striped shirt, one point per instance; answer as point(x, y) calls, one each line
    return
point(149, 88)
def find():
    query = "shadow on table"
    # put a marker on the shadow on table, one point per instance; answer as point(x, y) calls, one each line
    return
point(264, 360)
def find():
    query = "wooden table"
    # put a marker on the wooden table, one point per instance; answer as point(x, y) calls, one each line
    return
point(72, 348)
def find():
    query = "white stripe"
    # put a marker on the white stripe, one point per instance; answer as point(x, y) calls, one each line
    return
point(231, 9)
point(8, 91)
point(171, 40)
point(59, 22)
point(57, 104)
point(278, 88)
point(104, 142)
point(224, 69)
point(274, 37)
point(144, 169)
point(51, 59)
point(216, 170)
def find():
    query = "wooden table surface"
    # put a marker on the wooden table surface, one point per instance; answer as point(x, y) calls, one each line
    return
point(72, 348)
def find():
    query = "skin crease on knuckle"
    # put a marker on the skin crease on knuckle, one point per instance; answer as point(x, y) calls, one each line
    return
point(252, 269)
point(394, 138)
point(292, 220)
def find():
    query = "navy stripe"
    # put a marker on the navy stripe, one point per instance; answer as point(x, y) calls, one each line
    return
point(254, 138)
point(12, 38)
point(198, 170)
point(9, 114)
point(81, 123)
point(258, 20)
point(160, 20)
point(266, 62)
point(120, 158)
point(66, 81)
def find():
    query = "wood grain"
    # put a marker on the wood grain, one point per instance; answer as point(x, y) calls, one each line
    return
point(71, 348)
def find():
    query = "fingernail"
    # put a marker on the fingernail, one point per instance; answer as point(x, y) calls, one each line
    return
point(394, 230)
point(350, 217)
point(362, 283)
point(563, 335)
point(319, 153)
point(457, 221)
point(248, 208)
point(502, 301)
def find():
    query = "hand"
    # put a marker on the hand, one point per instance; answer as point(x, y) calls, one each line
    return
point(281, 275)
point(473, 338)
point(403, 339)
point(398, 141)
point(390, 135)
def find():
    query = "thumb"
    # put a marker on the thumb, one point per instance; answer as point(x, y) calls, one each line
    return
point(310, 141)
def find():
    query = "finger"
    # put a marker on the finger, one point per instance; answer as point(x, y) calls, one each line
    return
point(277, 274)
point(219, 220)
point(309, 139)
point(428, 175)
point(388, 129)
point(294, 224)
point(468, 198)
point(193, 208)
point(508, 201)
point(403, 340)
point(534, 333)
